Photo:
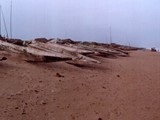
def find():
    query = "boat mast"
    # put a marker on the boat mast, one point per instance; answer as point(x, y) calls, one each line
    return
point(11, 20)
point(110, 29)
point(0, 19)
point(5, 26)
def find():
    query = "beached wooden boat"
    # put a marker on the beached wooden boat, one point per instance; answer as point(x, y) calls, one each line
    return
point(38, 51)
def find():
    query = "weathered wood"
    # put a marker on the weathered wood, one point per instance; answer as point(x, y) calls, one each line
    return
point(42, 49)
point(45, 52)
point(65, 50)
point(33, 52)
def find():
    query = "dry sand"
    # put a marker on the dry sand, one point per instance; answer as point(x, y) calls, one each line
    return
point(118, 89)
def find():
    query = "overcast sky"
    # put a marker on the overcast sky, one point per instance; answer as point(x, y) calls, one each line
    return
point(132, 21)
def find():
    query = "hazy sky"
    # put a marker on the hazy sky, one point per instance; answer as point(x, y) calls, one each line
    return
point(132, 21)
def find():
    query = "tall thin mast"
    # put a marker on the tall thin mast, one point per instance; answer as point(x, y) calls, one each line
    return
point(11, 20)
point(110, 29)
point(5, 26)
point(0, 20)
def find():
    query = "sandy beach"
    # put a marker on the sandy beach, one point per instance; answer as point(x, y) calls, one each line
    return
point(124, 88)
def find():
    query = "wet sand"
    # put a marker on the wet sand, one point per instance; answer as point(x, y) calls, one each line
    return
point(125, 88)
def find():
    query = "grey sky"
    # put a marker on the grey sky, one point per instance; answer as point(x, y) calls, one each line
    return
point(132, 21)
